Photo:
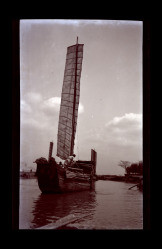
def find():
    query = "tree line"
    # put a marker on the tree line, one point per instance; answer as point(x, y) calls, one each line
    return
point(132, 168)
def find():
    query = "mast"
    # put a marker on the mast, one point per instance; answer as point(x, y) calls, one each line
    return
point(50, 151)
point(73, 120)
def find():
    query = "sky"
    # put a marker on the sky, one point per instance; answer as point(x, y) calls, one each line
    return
point(110, 110)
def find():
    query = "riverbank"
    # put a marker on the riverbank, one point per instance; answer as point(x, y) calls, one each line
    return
point(27, 174)
point(126, 178)
point(132, 178)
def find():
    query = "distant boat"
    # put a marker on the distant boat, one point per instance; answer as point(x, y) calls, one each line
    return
point(73, 175)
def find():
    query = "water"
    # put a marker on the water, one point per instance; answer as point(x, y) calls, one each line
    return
point(110, 206)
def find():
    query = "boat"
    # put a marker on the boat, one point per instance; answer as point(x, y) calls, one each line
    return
point(71, 175)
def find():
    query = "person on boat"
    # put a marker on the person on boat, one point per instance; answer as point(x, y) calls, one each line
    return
point(61, 165)
point(69, 161)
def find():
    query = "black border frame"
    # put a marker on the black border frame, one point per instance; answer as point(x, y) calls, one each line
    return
point(15, 102)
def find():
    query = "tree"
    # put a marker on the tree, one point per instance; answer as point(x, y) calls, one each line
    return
point(124, 164)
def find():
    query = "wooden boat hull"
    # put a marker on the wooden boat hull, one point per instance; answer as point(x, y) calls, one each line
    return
point(54, 179)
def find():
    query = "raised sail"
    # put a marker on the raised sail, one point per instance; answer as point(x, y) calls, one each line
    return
point(69, 101)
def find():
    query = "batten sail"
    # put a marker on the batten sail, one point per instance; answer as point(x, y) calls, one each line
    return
point(69, 101)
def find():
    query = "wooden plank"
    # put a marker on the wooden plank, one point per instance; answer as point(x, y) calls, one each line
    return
point(134, 186)
point(85, 165)
point(75, 169)
point(63, 221)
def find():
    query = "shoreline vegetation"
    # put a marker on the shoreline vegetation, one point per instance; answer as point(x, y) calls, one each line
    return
point(133, 173)
point(134, 178)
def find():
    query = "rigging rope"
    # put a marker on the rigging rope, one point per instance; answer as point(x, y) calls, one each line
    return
point(77, 138)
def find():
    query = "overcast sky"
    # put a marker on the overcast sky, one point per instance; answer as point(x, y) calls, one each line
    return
point(110, 112)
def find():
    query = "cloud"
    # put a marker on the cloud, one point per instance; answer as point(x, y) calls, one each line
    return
point(81, 108)
point(125, 130)
point(51, 105)
point(32, 114)
point(24, 107)
point(33, 98)
point(128, 118)
point(41, 113)
point(120, 131)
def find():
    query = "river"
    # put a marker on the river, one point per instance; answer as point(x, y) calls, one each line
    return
point(110, 206)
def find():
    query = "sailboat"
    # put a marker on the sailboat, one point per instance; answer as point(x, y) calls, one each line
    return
point(73, 175)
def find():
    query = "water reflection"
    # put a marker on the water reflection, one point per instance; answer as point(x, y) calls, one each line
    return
point(111, 206)
point(49, 208)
